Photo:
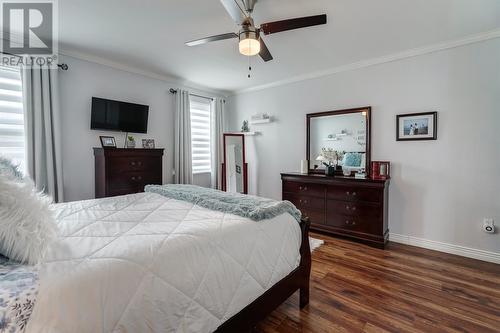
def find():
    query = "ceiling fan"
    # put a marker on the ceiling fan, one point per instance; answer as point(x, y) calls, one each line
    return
point(251, 43)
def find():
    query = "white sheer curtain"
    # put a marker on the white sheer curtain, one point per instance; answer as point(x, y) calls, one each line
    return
point(182, 142)
point(217, 142)
point(43, 130)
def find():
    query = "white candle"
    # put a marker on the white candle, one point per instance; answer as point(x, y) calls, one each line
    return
point(304, 166)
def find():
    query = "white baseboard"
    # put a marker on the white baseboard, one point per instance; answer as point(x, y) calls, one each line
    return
point(447, 248)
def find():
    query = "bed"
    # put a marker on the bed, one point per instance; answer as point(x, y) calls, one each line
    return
point(148, 263)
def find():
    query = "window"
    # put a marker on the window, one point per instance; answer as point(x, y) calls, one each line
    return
point(201, 112)
point(11, 116)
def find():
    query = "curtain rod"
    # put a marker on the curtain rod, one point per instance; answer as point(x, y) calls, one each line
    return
point(173, 91)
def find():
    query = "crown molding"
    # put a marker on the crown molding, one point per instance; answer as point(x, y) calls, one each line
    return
point(446, 247)
point(484, 36)
point(176, 81)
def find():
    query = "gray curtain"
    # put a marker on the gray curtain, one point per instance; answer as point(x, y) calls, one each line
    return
point(217, 142)
point(182, 142)
point(43, 130)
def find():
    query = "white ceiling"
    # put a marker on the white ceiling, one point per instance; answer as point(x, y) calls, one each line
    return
point(149, 34)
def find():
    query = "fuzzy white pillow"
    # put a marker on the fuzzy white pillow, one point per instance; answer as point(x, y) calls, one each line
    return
point(27, 225)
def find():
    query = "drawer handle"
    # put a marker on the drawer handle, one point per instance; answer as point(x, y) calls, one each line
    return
point(353, 208)
point(133, 178)
point(132, 163)
point(349, 193)
point(350, 222)
point(302, 188)
point(303, 201)
point(136, 178)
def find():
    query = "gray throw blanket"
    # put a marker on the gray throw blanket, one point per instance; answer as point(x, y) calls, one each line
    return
point(253, 207)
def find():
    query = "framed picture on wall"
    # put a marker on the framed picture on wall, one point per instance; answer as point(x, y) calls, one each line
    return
point(416, 126)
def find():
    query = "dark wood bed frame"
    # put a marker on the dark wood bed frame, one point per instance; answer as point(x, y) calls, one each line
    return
point(247, 319)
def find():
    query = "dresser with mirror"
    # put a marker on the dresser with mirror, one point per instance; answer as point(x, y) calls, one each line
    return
point(337, 202)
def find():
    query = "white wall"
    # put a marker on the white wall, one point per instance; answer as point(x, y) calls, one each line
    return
point(77, 86)
point(440, 190)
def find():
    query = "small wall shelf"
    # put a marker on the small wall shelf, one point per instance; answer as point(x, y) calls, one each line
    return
point(245, 133)
point(260, 121)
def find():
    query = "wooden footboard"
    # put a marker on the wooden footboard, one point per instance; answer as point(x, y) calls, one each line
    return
point(298, 279)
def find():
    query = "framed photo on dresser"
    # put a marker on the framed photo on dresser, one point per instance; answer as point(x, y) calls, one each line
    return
point(108, 141)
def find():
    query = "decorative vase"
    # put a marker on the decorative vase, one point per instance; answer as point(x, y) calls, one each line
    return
point(330, 171)
point(130, 143)
point(244, 127)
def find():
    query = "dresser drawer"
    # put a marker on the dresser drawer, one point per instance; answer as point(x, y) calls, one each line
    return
point(315, 216)
point(316, 190)
point(311, 207)
point(354, 223)
point(131, 180)
point(348, 193)
point(127, 164)
point(123, 191)
point(305, 202)
point(354, 208)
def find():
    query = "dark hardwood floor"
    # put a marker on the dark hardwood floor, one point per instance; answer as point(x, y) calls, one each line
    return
point(356, 288)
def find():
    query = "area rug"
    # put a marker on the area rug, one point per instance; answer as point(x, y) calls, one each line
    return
point(314, 243)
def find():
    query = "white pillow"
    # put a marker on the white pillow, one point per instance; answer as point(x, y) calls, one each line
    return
point(27, 225)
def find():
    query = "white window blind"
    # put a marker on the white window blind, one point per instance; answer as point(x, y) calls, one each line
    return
point(201, 114)
point(12, 139)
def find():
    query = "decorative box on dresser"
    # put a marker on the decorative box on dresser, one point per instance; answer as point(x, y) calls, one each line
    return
point(344, 206)
point(124, 171)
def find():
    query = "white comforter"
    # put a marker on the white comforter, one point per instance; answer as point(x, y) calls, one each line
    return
point(146, 263)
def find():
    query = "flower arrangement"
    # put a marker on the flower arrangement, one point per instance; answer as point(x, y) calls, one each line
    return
point(331, 155)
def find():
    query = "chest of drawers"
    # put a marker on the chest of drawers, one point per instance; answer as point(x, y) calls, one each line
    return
point(124, 171)
point(344, 206)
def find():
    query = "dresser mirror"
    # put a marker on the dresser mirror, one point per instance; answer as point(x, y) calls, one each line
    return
point(340, 139)
point(234, 168)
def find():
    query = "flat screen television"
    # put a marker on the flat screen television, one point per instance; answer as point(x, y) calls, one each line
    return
point(118, 116)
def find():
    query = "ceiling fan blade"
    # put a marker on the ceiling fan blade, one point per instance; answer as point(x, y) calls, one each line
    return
point(296, 23)
point(264, 51)
point(211, 39)
point(234, 10)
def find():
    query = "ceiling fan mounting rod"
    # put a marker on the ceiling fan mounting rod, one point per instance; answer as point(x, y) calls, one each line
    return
point(249, 5)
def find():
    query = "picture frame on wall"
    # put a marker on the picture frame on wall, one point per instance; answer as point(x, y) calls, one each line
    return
point(108, 141)
point(416, 126)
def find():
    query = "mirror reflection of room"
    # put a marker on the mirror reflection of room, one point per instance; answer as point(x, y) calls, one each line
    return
point(234, 163)
point(338, 140)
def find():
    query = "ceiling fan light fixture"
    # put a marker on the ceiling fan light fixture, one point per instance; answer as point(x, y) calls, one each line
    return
point(249, 43)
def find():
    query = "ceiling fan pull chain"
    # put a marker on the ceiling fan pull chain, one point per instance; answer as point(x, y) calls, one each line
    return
point(249, 66)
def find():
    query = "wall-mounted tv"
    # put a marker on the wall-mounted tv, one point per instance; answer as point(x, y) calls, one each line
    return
point(118, 116)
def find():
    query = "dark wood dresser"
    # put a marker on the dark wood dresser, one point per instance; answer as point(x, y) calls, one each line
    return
point(121, 171)
point(345, 206)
